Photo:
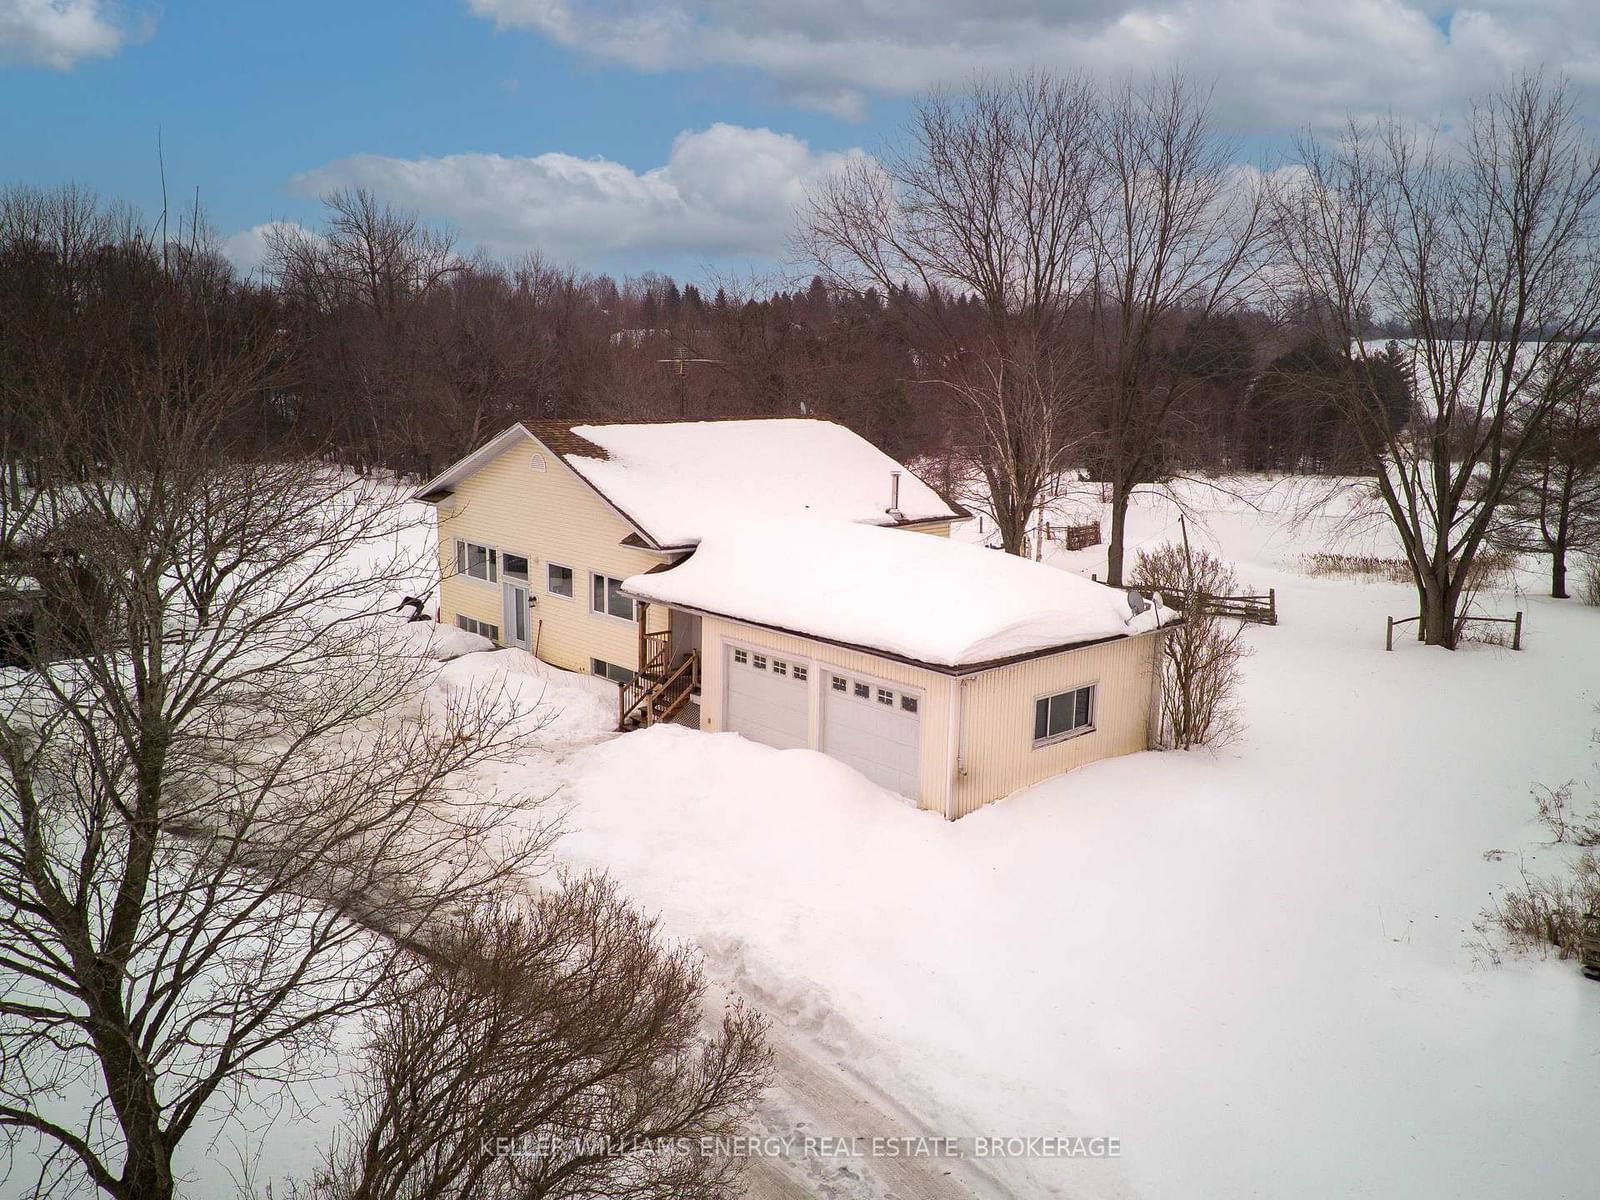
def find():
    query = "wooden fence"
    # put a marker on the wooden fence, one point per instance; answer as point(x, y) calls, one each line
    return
point(1076, 537)
point(1261, 610)
point(1590, 945)
point(1515, 623)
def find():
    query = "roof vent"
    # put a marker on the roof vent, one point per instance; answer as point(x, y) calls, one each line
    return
point(537, 462)
point(894, 496)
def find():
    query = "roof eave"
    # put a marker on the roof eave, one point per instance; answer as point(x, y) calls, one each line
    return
point(469, 463)
point(952, 669)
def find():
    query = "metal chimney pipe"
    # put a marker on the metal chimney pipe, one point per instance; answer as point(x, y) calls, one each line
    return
point(894, 494)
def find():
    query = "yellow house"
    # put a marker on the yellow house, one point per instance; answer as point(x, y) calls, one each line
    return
point(754, 576)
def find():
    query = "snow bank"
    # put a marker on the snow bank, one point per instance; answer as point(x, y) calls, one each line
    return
point(925, 598)
point(429, 639)
point(677, 480)
point(555, 708)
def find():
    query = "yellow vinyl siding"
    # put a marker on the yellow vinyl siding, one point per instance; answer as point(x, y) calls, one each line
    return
point(977, 730)
point(996, 717)
point(935, 688)
point(934, 529)
point(548, 516)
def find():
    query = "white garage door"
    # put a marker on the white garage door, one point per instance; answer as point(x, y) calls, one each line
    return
point(767, 698)
point(875, 727)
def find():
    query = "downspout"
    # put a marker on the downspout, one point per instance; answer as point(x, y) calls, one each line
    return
point(1153, 717)
point(958, 738)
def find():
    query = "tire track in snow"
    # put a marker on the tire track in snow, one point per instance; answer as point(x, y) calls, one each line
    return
point(813, 1096)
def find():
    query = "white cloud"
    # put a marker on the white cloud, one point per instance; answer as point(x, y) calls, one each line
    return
point(726, 190)
point(61, 33)
point(1277, 63)
point(247, 249)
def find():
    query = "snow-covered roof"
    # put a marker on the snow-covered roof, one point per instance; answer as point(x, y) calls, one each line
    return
point(676, 479)
point(923, 598)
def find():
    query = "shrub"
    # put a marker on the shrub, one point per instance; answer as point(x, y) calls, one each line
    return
point(565, 1034)
point(1491, 567)
point(1555, 813)
point(1589, 580)
point(1547, 913)
point(1201, 658)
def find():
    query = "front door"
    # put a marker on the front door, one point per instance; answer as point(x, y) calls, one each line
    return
point(685, 634)
point(516, 614)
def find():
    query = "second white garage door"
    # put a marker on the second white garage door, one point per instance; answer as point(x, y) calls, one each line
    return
point(875, 727)
point(768, 698)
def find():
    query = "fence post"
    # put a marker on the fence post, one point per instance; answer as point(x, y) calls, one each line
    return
point(1272, 604)
point(1388, 636)
point(1516, 632)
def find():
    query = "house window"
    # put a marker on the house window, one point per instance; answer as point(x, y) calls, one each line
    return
point(480, 562)
point(909, 703)
point(885, 696)
point(741, 656)
point(800, 672)
point(1063, 715)
point(599, 666)
point(760, 663)
point(839, 683)
point(481, 628)
point(779, 667)
point(558, 580)
point(863, 692)
point(605, 596)
point(515, 566)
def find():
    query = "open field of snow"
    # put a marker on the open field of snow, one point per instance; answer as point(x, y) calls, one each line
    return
point(1251, 966)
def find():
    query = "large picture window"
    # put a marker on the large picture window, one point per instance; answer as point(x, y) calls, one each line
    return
point(605, 596)
point(1063, 715)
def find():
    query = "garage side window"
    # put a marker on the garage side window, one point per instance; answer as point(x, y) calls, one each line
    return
point(1063, 715)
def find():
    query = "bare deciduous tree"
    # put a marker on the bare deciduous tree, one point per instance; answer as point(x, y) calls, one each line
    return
point(1488, 248)
point(548, 1049)
point(1554, 501)
point(989, 198)
point(226, 802)
point(1177, 230)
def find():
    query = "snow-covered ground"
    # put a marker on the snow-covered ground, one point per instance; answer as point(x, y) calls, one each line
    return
point(1252, 967)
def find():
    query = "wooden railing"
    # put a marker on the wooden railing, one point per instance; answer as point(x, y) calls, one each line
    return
point(650, 701)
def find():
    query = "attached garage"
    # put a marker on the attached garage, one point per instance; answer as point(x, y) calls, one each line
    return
point(768, 698)
point(944, 672)
point(876, 727)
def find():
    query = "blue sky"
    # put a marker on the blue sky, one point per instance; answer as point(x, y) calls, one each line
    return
point(244, 98)
point(676, 134)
